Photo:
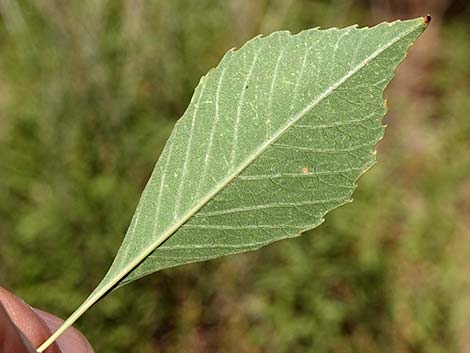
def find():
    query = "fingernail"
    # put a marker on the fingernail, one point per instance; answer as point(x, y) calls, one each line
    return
point(72, 340)
point(34, 310)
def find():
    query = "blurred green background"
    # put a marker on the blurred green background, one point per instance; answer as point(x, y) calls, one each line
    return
point(89, 92)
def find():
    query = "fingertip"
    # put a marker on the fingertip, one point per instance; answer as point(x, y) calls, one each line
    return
point(26, 320)
point(11, 339)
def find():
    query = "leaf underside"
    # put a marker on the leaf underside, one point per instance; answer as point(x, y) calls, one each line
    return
point(274, 138)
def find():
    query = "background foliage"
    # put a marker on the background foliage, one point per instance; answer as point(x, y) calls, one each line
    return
point(89, 91)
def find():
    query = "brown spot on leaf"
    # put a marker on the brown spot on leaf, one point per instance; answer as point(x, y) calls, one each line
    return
point(305, 170)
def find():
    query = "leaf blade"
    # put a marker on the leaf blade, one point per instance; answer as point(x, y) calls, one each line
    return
point(270, 142)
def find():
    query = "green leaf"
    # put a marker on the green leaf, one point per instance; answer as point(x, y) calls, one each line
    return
point(274, 138)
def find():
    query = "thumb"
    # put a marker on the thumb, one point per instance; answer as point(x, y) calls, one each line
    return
point(11, 339)
point(25, 319)
point(37, 326)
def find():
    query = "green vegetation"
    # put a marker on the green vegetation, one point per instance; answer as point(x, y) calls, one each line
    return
point(89, 92)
